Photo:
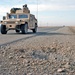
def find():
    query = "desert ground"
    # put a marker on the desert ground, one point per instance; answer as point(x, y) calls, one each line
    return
point(50, 51)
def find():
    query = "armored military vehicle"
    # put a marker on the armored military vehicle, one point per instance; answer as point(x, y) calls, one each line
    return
point(19, 20)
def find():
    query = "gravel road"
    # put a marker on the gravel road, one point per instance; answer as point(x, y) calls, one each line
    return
point(12, 36)
point(51, 51)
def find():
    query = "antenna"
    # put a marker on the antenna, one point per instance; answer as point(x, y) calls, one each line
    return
point(37, 11)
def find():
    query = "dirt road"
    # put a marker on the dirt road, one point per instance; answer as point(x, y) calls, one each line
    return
point(51, 51)
point(12, 36)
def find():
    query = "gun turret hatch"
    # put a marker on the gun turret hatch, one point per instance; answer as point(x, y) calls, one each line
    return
point(25, 9)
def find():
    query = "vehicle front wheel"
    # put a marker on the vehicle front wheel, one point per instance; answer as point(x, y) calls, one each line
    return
point(3, 29)
point(24, 28)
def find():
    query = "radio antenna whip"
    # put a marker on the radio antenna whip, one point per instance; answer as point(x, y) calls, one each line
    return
point(37, 11)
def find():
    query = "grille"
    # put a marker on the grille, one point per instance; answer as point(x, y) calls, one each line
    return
point(10, 22)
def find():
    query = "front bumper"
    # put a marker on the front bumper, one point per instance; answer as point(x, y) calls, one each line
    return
point(9, 26)
point(13, 27)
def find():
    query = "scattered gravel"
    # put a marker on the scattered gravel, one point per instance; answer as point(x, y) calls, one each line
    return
point(41, 55)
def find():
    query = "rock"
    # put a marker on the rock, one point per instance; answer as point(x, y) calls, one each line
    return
point(16, 68)
point(61, 70)
point(25, 61)
point(22, 56)
point(11, 63)
point(53, 49)
point(54, 43)
point(8, 47)
point(69, 48)
point(4, 53)
point(1, 47)
point(29, 74)
point(14, 63)
point(67, 65)
point(10, 57)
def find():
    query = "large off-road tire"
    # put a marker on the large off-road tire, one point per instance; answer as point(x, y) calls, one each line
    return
point(17, 31)
point(3, 29)
point(35, 29)
point(24, 28)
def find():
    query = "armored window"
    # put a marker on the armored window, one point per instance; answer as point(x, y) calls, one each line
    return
point(23, 16)
point(12, 16)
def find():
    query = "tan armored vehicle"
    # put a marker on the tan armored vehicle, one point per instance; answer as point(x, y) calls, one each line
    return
point(19, 20)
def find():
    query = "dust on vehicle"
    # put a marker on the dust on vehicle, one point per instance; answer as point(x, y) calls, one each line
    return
point(19, 20)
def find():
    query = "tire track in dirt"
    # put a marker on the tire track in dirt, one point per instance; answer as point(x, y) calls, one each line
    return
point(41, 31)
point(17, 40)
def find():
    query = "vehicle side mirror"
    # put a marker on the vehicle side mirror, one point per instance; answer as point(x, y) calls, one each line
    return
point(4, 17)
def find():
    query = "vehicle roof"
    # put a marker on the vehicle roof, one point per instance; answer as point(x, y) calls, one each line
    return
point(17, 13)
point(21, 13)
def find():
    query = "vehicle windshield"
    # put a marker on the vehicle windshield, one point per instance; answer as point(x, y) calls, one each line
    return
point(12, 16)
point(23, 16)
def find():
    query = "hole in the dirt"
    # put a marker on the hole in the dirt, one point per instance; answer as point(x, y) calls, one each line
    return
point(21, 50)
point(39, 55)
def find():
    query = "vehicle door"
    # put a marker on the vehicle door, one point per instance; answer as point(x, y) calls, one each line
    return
point(31, 21)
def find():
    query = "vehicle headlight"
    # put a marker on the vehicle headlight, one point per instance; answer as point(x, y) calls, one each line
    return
point(5, 22)
point(16, 22)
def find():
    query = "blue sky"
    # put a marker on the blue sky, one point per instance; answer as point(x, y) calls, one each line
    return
point(50, 12)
